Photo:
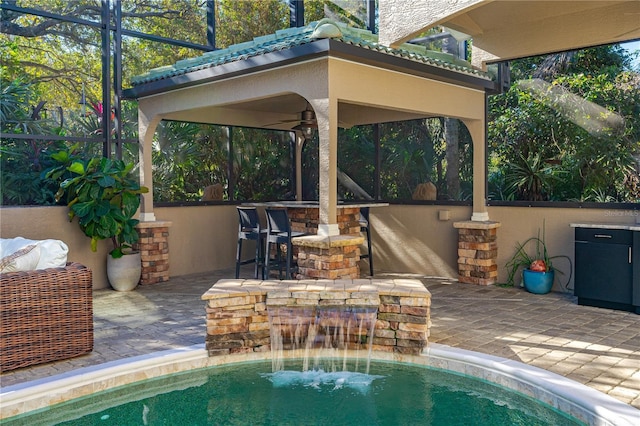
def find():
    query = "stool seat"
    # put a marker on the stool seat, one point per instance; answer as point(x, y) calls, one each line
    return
point(249, 229)
point(365, 226)
point(279, 232)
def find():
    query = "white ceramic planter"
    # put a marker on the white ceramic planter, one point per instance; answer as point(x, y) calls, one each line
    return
point(124, 273)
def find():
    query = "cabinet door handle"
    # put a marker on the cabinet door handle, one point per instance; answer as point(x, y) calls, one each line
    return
point(602, 236)
point(629, 255)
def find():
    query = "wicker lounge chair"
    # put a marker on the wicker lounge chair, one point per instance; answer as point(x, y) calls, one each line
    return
point(45, 315)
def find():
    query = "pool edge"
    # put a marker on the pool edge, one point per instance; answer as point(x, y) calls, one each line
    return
point(578, 400)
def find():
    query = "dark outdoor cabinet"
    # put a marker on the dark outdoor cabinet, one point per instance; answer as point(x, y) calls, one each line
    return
point(604, 271)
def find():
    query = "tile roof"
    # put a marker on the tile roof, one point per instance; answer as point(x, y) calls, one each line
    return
point(291, 37)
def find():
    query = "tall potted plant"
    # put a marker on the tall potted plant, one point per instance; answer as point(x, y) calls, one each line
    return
point(104, 198)
point(538, 272)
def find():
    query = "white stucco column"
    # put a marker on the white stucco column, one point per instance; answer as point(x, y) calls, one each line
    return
point(146, 129)
point(477, 132)
point(326, 111)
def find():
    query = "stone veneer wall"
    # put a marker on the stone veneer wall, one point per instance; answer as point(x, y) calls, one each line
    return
point(306, 220)
point(237, 311)
point(153, 244)
point(328, 257)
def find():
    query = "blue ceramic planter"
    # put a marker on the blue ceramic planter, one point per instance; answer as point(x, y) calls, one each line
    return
point(538, 282)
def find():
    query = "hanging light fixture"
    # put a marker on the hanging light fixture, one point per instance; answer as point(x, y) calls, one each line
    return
point(307, 123)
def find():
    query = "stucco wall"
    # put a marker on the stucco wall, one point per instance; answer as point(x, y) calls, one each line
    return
point(520, 223)
point(413, 239)
point(200, 238)
point(39, 223)
point(410, 238)
point(406, 238)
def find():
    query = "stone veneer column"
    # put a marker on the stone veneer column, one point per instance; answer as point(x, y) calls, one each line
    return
point(328, 257)
point(477, 252)
point(153, 244)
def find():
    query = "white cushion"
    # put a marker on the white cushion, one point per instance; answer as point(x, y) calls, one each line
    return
point(53, 253)
point(25, 259)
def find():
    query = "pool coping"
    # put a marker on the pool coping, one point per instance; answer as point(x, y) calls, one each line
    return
point(584, 403)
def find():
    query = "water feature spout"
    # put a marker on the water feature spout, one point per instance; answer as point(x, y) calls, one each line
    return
point(324, 334)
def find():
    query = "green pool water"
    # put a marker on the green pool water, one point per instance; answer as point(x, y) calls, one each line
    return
point(249, 394)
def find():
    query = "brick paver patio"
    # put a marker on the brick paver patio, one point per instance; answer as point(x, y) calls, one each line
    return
point(597, 347)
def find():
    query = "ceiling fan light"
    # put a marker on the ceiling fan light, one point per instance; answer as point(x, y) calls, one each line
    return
point(306, 129)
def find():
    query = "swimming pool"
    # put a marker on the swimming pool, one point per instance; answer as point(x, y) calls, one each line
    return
point(585, 404)
point(247, 393)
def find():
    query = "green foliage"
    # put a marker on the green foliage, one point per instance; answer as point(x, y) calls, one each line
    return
point(522, 258)
point(241, 21)
point(531, 178)
point(25, 163)
point(22, 161)
point(356, 158)
point(582, 126)
point(351, 12)
point(498, 186)
point(187, 157)
point(103, 197)
point(540, 146)
point(262, 164)
point(414, 151)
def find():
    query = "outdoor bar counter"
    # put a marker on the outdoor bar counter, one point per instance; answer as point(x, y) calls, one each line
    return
point(324, 257)
point(305, 215)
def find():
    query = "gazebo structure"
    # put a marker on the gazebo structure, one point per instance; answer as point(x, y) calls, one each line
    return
point(325, 75)
point(335, 75)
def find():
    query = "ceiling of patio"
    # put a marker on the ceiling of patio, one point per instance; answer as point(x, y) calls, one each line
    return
point(282, 112)
point(515, 29)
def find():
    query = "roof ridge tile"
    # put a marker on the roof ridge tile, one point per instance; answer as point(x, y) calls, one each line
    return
point(291, 37)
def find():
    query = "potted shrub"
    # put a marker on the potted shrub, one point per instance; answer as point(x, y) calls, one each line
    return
point(104, 198)
point(538, 272)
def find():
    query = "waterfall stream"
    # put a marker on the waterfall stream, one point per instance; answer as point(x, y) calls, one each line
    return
point(327, 336)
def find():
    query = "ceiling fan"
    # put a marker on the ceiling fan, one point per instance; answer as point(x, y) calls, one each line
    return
point(306, 123)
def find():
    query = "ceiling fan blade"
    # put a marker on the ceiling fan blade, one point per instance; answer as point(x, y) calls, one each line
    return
point(341, 124)
point(292, 121)
point(306, 117)
point(282, 122)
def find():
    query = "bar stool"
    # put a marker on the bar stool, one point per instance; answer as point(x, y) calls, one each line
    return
point(249, 229)
point(366, 228)
point(279, 232)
